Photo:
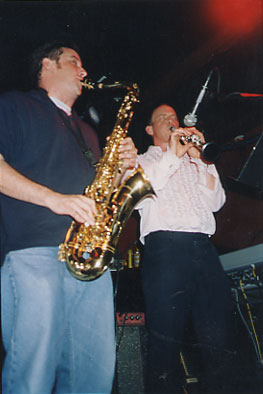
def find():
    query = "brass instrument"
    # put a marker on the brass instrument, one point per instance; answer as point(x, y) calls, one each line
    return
point(93, 86)
point(210, 150)
point(89, 249)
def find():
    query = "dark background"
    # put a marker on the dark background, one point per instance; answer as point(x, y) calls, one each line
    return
point(168, 48)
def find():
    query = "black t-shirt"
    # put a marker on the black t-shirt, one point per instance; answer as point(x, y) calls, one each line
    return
point(37, 142)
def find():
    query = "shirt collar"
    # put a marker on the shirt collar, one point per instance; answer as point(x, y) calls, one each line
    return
point(154, 147)
point(61, 105)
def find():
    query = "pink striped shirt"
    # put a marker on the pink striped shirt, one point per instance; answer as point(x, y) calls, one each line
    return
point(183, 202)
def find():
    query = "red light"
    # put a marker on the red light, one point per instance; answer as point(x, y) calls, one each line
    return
point(251, 95)
point(235, 16)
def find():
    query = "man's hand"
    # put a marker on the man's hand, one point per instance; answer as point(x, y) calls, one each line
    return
point(79, 207)
point(127, 154)
point(180, 147)
point(194, 152)
point(15, 185)
point(176, 145)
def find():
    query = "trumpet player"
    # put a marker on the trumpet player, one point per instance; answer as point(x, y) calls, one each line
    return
point(58, 332)
point(181, 273)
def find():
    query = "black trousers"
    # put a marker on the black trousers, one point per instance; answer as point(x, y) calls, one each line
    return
point(182, 276)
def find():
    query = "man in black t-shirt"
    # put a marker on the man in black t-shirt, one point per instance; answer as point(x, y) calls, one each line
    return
point(58, 332)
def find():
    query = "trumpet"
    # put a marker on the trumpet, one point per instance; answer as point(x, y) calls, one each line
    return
point(210, 151)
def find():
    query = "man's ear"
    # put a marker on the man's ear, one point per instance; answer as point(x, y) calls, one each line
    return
point(46, 63)
point(149, 130)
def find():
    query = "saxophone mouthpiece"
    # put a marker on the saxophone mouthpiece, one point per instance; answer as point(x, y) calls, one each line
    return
point(99, 85)
point(88, 84)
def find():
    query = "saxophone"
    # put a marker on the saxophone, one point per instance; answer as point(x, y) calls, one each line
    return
point(89, 249)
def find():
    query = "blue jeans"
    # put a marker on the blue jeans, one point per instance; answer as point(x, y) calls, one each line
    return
point(58, 332)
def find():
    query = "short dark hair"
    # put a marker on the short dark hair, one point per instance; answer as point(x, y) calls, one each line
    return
point(51, 50)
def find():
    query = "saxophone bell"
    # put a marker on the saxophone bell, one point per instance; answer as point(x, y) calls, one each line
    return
point(210, 151)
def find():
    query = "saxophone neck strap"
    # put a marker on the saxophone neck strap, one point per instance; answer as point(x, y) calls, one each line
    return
point(72, 124)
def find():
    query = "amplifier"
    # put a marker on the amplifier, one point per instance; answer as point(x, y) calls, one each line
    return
point(130, 319)
point(131, 341)
point(242, 259)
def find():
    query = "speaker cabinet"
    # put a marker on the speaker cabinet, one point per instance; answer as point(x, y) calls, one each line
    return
point(131, 341)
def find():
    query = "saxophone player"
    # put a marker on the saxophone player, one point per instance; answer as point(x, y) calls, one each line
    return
point(181, 272)
point(58, 332)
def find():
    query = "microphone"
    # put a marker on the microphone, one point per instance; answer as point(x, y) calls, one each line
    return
point(191, 118)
